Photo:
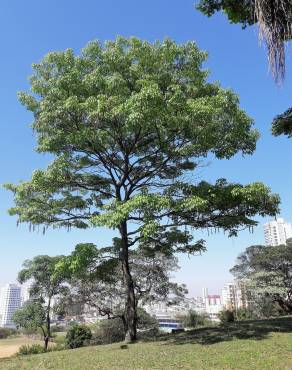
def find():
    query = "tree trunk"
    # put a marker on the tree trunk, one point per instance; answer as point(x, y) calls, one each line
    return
point(48, 325)
point(286, 306)
point(130, 309)
point(46, 342)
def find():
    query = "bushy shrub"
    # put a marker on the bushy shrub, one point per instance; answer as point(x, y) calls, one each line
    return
point(7, 332)
point(35, 349)
point(195, 319)
point(109, 331)
point(32, 349)
point(226, 316)
point(78, 336)
point(145, 321)
point(245, 314)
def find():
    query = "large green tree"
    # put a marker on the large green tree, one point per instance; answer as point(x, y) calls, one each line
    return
point(127, 124)
point(267, 271)
point(273, 17)
point(46, 285)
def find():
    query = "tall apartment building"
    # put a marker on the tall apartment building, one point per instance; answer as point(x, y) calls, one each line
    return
point(234, 295)
point(277, 232)
point(10, 301)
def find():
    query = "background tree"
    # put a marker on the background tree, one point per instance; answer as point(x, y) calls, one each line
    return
point(194, 319)
point(96, 281)
point(274, 20)
point(127, 124)
point(32, 316)
point(268, 271)
point(46, 285)
point(78, 335)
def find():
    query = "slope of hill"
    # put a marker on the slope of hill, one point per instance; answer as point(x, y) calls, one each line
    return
point(265, 344)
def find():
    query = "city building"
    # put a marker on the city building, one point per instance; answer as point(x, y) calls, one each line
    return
point(213, 305)
point(277, 232)
point(234, 296)
point(10, 301)
point(168, 317)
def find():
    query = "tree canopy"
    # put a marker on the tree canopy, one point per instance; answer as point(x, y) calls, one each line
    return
point(46, 284)
point(268, 272)
point(32, 316)
point(128, 123)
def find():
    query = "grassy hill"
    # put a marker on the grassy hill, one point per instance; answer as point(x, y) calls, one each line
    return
point(265, 344)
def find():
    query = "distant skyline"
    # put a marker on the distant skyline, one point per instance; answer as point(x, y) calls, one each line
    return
point(31, 29)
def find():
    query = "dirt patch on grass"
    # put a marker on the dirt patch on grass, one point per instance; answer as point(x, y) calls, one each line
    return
point(9, 347)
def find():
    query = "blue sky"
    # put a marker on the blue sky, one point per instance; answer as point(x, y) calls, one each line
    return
point(29, 29)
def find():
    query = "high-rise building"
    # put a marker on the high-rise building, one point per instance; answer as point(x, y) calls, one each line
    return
point(9, 303)
point(234, 295)
point(277, 232)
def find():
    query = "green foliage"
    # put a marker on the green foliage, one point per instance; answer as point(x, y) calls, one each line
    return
point(243, 314)
point(145, 321)
point(226, 316)
point(282, 124)
point(266, 307)
point(267, 272)
point(195, 319)
point(135, 112)
point(32, 349)
point(31, 316)
point(237, 11)
point(35, 349)
point(126, 122)
point(78, 336)
point(47, 283)
point(109, 331)
point(7, 332)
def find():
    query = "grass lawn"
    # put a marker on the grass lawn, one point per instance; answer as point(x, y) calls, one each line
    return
point(9, 347)
point(253, 345)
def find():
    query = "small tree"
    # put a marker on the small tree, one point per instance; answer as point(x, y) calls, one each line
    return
point(194, 319)
point(46, 285)
point(110, 331)
point(32, 316)
point(78, 335)
point(127, 124)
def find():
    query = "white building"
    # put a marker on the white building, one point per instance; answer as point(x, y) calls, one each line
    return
point(213, 306)
point(234, 296)
point(10, 301)
point(277, 232)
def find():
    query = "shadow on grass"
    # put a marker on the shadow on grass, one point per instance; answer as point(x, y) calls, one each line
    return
point(258, 330)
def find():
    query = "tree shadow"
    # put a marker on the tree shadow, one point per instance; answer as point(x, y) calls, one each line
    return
point(258, 330)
